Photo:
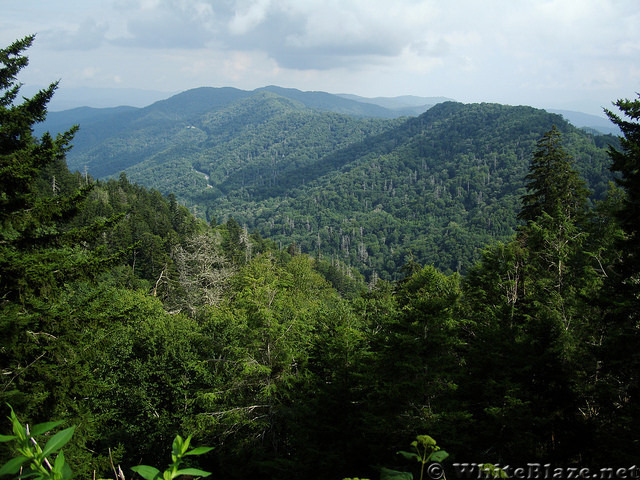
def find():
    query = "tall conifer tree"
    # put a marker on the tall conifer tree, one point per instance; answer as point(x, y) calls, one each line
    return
point(531, 320)
point(554, 187)
point(28, 220)
point(39, 248)
point(627, 163)
point(621, 352)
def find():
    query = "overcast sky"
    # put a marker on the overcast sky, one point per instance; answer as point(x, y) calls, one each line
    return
point(571, 54)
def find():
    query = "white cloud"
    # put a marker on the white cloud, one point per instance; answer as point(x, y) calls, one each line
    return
point(248, 15)
point(496, 50)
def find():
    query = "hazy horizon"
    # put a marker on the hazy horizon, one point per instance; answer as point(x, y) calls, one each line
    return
point(576, 55)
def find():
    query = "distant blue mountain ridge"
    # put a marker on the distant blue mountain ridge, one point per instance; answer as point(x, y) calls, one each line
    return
point(81, 105)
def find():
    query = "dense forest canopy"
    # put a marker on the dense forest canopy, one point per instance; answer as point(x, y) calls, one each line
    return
point(367, 192)
point(127, 316)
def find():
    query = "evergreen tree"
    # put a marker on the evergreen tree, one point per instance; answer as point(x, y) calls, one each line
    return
point(554, 209)
point(27, 220)
point(38, 245)
point(627, 164)
point(39, 249)
point(621, 347)
point(74, 345)
point(554, 187)
point(531, 322)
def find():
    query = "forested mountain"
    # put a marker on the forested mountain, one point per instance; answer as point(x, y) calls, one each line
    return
point(130, 320)
point(186, 107)
point(436, 189)
point(371, 193)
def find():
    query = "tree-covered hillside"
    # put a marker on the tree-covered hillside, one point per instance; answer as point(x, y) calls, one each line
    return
point(131, 321)
point(226, 134)
point(436, 189)
point(137, 133)
point(370, 193)
point(255, 145)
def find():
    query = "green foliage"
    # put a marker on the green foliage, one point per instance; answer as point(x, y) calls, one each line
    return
point(262, 343)
point(179, 450)
point(41, 465)
point(42, 251)
point(34, 460)
point(426, 451)
point(531, 321)
point(416, 357)
point(365, 193)
point(389, 474)
point(621, 293)
point(625, 162)
point(125, 315)
point(30, 222)
point(553, 186)
point(489, 470)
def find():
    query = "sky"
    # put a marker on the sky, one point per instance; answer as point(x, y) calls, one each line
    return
point(565, 54)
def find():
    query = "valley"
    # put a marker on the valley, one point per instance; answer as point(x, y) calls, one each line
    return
point(368, 191)
point(279, 284)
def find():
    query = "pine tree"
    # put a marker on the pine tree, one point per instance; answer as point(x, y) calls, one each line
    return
point(28, 220)
point(554, 209)
point(39, 249)
point(627, 164)
point(527, 302)
point(620, 385)
point(554, 187)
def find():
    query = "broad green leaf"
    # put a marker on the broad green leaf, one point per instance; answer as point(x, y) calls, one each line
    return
point(12, 466)
point(66, 472)
point(176, 448)
point(185, 445)
point(177, 443)
point(199, 451)
point(147, 472)
point(388, 474)
point(59, 463)
point(18, 429)
point(58, 441)
point(193, 471)
point(7, 438)
point(409, 455)
point(44, 427)
point(438, 456)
